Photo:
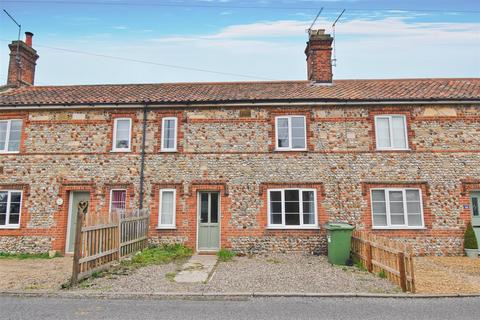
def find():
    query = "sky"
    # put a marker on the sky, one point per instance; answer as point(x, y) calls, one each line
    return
point(147, 41)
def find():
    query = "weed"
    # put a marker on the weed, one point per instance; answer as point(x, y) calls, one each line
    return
point(274, 260)
point(158, 255)
point(225, 255)
point(382, 274)
point(359, 264)
point(171, 276)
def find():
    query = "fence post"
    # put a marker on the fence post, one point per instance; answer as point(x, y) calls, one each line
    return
point(119, 224)
point(77, 251)
point(401, 268)
point(369, 257)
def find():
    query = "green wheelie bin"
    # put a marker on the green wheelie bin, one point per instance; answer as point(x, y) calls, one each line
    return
point(339, 238)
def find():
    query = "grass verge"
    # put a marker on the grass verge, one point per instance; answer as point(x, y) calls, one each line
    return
point(158, 255)
point(25, 256)
point(226, 255)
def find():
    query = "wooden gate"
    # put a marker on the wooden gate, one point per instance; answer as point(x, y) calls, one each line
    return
point(101, 240)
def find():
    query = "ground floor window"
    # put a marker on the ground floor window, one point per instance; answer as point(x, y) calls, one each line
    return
point(166, 213)
point(292, 208)
point(10, 207)
point(118, 200)
point(397, 208)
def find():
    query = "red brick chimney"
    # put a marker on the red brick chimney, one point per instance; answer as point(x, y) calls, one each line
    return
point(23, 58)
point(319, 56)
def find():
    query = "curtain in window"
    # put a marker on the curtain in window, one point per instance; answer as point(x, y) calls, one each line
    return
point(119, 198)
point(123, 134)
point(167, 207)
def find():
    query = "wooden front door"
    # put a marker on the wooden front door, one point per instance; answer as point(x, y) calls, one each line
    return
point(75, 198)
point(208, 221)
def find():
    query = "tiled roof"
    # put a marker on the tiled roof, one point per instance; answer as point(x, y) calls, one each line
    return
point(340, 90)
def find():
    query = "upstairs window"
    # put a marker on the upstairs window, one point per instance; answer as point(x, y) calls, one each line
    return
point(122, 134)
point(397, 208)
point(10, 134)
point(391, 132)
point(169, 134)
point(290, 133)
point(10, 207)
point(118, 201)
point(292, 208)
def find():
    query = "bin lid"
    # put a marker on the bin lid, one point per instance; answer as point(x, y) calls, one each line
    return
point(338, 226)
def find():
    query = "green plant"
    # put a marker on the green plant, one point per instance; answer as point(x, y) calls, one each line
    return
point(470, 241)
point(225, 255)
point(23, 256)
point(360, 266)
point(382, 274)
point(158, 255)
point(170, 276)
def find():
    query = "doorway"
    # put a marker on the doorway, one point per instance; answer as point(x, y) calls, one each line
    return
point(208, 235)
point(74, 200)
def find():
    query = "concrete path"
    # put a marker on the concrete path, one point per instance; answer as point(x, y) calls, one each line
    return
point(197, 269)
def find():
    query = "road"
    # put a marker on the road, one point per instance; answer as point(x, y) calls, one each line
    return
point(252, 308)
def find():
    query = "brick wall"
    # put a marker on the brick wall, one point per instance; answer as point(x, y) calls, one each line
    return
point(230, 150)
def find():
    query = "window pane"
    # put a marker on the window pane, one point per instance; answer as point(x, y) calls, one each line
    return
point(298, 143)
point(298, 132)
point(166, 215)
point(3, 134)
point(397, 219)
point(14, 219)
point(118, 200)
point(14, 208)
point(15, 197)
point(475, 206)
point(413, 195)
point(275, 196)
point(15, 133)
point(169, 134)
point(204, 208)
point(308, 196)
point(292, 219)
point(275, 207)
point(378, 195)
point(291, 195)
point(214, 208)
point(396, 207)
point(414, 220)
point(308, 207)
point(379, 208)
point(282, 132)
point(308, 219)
point(3, 197)
point(398, 128)
point(396, 196)
point(3, 219)
point(380, 220)
point(383, 133)
point(3, 208)
point(276, 219)
point(292, 207)
point(413, 207)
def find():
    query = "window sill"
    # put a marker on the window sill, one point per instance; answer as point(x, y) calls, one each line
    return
point(9, 227)
point(393, 150)
point(293, 228)
point(166, 228)
point(9, 152)
point(399, 228)
point(120, 151)
point(290, 150)
point(168, 151)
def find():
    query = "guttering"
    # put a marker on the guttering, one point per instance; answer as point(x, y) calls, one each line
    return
point(237, 104)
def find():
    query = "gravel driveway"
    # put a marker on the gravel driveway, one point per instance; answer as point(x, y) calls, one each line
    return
point(447, 275)
point(273, 273)
point(34, 274)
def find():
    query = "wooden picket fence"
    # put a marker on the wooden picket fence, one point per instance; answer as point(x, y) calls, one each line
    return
point(383, 255)
point(101, 240)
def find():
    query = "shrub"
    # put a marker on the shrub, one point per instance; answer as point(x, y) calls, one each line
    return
point(225, 255)
point(470, 241)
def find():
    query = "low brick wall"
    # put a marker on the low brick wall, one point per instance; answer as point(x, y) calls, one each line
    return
point(25, 244)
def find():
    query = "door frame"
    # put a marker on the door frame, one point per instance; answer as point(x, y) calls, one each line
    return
point(199, 199)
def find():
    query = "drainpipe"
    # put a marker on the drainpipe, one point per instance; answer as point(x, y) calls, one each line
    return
point(142, 159)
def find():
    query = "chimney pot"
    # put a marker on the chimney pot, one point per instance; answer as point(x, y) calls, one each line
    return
point(28, 38)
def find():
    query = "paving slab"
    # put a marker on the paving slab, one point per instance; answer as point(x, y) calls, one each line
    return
point(197, 269)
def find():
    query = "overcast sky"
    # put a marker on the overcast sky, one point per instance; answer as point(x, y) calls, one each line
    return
point(241, 40)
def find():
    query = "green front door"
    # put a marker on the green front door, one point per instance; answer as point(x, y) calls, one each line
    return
point(475, 209)
point(208, 221)
point(75, 198)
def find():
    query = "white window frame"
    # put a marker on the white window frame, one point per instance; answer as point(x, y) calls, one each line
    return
point(173, 224)
point(7, 225)
point(405, 213)
point(111, 198)
point(290, 148)
point(163, 148)
point(114, 146)
point(302, 225)
point(7, 136)
point(390, 127)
